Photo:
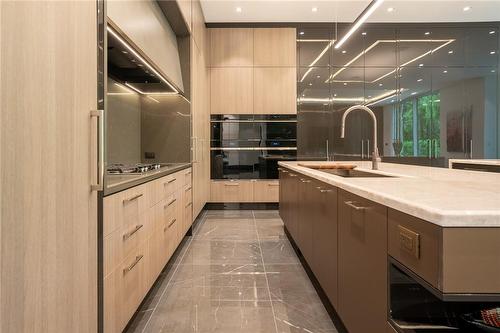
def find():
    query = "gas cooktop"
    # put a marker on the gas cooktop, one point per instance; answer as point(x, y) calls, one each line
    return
point(133, 169)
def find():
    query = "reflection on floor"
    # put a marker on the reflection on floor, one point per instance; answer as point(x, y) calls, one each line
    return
point(238, 273)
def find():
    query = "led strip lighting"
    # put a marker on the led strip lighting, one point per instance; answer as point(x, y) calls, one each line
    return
point(327, 47)
point(124, 43)
point(350, 62)
point(370, 101)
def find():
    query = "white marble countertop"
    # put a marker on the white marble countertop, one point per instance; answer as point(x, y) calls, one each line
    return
point(445, 197)
point(466, 161)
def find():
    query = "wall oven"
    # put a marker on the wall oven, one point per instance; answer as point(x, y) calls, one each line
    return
point(417, 307)
point(250, 146)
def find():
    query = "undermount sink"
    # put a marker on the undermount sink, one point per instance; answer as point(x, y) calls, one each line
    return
point(353, 173)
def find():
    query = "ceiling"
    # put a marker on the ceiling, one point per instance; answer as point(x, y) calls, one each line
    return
point(225, 11)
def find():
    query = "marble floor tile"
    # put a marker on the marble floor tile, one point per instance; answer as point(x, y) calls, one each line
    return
point(207, 316)
point(227, 231)
point(238, 273)
point(207, 251)
point(278, 251)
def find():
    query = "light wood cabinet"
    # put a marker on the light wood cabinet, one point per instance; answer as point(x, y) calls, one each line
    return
point(145, 236)
point(231, 90)
point(266, 191)
point(48, 236)
point(362, 270)
point(275, 90)
point(185, 8)
point(231, 191)
point(231, 47)
point(275, 47)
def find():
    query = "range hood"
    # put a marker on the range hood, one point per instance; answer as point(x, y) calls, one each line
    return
point(127, 66)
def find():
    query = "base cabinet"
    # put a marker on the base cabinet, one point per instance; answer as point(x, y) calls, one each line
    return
point(362, 264)
point(143, 227)
point(244, 191)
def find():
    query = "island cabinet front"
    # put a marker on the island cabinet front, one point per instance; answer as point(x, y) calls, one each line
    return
point(362, 270)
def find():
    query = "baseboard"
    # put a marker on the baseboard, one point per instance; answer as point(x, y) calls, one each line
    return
point(321, 293)
point(241, 206)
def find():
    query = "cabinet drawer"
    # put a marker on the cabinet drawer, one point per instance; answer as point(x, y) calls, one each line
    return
point(125, 208)
point(231, 191)
point(164, 187)
point(124, 289)
point(415, 243)
point(266, 191)
point(121, 242)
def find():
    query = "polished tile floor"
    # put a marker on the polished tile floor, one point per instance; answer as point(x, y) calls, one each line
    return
point(237, 273)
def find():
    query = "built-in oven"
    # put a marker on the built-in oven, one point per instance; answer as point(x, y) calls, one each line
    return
point(417, 307)
point(250, 146)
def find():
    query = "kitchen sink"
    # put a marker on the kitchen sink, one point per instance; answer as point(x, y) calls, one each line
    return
point(353, 173)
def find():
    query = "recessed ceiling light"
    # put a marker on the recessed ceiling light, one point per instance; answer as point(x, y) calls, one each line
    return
point(314, 9)
point(344, 51)
point(334, 95)
point(450, 52)
point(318, 76)
point(413, 93)
point(392, 101)
point(390, 9)
point(420, 80)
point(345, 83)
point(466, 8)
point(493, 71)
point(492, 32)
point(492, 52)
point(325, 104)
point(364, 33)
point(301, 33)
point(445, 71)
point(238, 9)
point(421, 65)
point(124, 52)
point(380, 84)
point(369, 96)
point(310, 84)
point(427, 33)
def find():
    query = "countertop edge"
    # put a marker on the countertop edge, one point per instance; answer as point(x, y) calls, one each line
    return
point(480, 219)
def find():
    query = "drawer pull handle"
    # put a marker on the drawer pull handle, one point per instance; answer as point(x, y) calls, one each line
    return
point(135, 197)
point(132, 265)
point(169, 182)
point(129, 234)
point(188, 189)
point(325, 191)
point(235, 184)
point(273, 184)
point(293, 175)
point(188, 173)
point(172, 222)
point(353, 205)
point(170, 203)
point(189, 204)
point(409, 241)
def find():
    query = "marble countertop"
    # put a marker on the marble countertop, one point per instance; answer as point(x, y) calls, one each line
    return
point(468, 161)
point(445, 197)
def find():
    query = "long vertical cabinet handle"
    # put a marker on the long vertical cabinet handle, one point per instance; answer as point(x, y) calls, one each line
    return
point(362, 149)
point(97, 185)
point(195, 149)
point(471, 149)
point(429, 147)
point(368, 149)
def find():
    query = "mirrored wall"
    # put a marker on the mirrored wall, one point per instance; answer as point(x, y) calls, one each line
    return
point(434, 90)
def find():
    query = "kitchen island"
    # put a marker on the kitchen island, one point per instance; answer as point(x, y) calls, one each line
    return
point(438, 228)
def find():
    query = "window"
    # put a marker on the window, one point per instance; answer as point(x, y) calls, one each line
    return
point(420, 124)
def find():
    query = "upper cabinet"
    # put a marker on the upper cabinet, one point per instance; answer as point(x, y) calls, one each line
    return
point(231, 90)
point(156, 39)
point(275, 47)
point(185, 7)
point(231, 47)
point(275, 90)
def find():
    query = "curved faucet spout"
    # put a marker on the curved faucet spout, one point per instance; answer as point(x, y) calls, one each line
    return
point(375, 154)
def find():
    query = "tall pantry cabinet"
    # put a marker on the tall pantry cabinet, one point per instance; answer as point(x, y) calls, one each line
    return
point(48, 227)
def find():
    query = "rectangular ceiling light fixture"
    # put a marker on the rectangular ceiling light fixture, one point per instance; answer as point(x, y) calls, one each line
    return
point(359, 21)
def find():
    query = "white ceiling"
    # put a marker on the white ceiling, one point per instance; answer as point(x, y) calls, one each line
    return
point(222, 11)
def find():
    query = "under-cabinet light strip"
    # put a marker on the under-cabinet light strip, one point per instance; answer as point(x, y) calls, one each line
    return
point(254, 148)
point(124, 43)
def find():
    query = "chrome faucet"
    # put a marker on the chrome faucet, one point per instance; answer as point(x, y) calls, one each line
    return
point(375, 155)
